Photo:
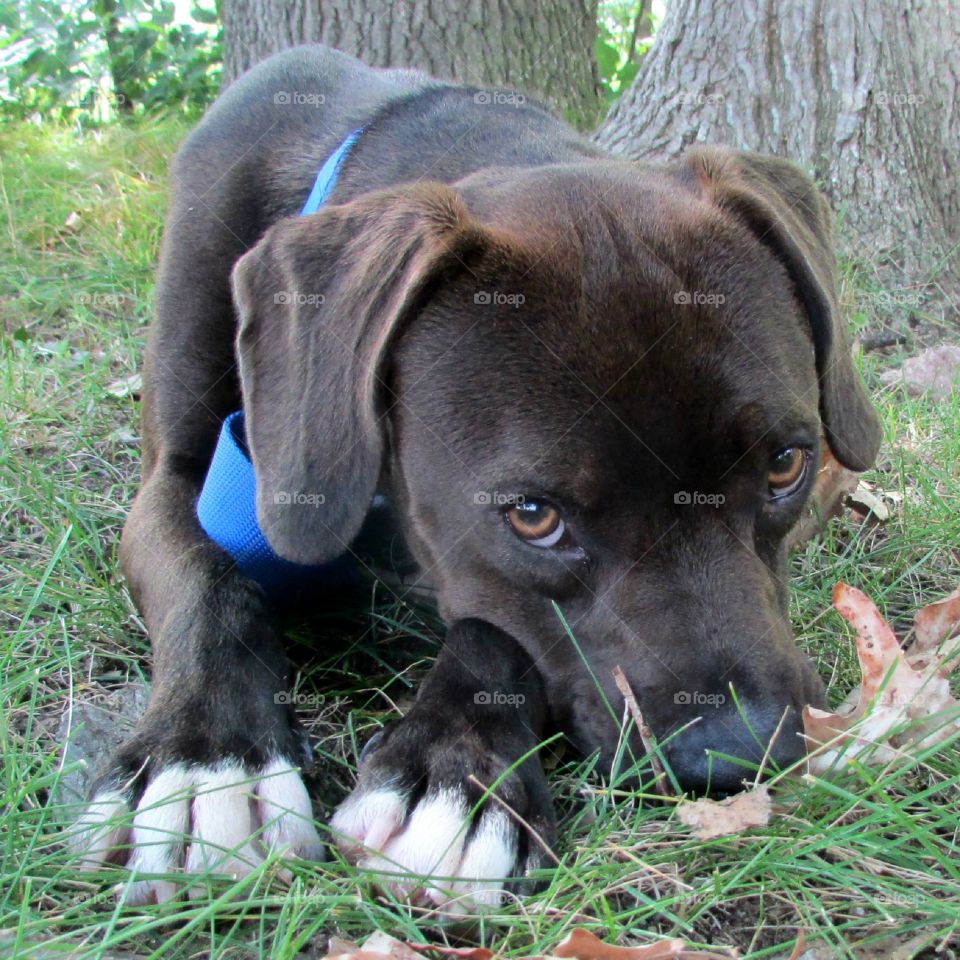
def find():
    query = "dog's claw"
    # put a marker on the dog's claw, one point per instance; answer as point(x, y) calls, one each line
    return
point(367, 820)
point(430, 855)
point(102, 831)
point(199, 821)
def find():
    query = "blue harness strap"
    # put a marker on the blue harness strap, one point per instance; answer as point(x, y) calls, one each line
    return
point(226, 507)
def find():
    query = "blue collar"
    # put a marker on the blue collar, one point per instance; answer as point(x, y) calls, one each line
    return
point(226, 507)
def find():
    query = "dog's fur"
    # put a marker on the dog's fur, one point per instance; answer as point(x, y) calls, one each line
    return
point(488, 307)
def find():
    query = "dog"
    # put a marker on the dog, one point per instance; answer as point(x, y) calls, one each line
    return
point(594, 394)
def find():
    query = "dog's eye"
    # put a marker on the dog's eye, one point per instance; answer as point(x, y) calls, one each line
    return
point(788, 468)
point(536, 522)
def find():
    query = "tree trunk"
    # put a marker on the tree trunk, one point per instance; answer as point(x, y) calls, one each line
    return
point(543, 48)
point(106, 10)
point(864, 93)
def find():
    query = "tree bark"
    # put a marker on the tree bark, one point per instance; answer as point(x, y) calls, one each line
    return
point(543, 48)
point(864, 93)
point(106, 10)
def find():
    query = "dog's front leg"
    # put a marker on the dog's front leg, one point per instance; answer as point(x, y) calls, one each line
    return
point(210, 773)
point(422, 813)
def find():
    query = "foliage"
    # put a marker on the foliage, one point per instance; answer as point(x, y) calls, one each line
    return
point(625, 31)
point(92, 60)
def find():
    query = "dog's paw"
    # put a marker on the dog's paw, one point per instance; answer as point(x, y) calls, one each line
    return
point(421, 818)
point(197, 820)
point(429, 849)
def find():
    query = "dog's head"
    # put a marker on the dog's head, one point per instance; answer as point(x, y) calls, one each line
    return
point(598, 388)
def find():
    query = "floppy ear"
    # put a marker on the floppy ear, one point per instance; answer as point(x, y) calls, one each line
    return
point(783, 208)
point(321, 299)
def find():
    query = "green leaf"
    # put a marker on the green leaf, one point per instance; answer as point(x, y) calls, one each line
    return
point(626, 74)
point(607, 58)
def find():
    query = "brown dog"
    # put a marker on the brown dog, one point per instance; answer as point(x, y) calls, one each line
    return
point(582, 383)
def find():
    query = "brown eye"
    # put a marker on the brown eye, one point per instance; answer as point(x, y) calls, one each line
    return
point(788, 468)
point(536, 522)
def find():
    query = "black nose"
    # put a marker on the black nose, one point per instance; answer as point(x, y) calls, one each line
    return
point(727, 744)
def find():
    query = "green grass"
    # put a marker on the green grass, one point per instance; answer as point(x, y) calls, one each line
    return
point(857, 860)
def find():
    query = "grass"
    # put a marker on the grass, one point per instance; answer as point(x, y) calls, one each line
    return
point(860, 863)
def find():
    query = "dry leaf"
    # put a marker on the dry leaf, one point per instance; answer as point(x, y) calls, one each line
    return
point(340, 949)
point(381, 942)
point(935, 371)
point(465, 953)
point(580, 944)
point(378, 946)
point(126, 386)
point(866, 503)
point(937, 622)
point(583, 945)
point(721, 818)
point(895, 688)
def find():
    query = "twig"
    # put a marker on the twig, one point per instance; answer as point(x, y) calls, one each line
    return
point(769, 747)
point(646, 736)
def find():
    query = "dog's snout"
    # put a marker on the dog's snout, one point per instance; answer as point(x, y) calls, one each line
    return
point(724, 747)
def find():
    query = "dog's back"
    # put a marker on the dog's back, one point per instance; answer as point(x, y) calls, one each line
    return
point(278, 123)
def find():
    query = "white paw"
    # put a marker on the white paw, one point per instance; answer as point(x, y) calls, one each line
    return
point(430, 854)
point(200, 820)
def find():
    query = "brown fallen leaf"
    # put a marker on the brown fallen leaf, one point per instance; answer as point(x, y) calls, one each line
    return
point(722, 818)
point(583, 945)
point(895, 688)
point(937, 622)
point(464, 953)
point(868, 502)
point(579, 944)
point(378, 946)
point(338, 946)
point(935, 371)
